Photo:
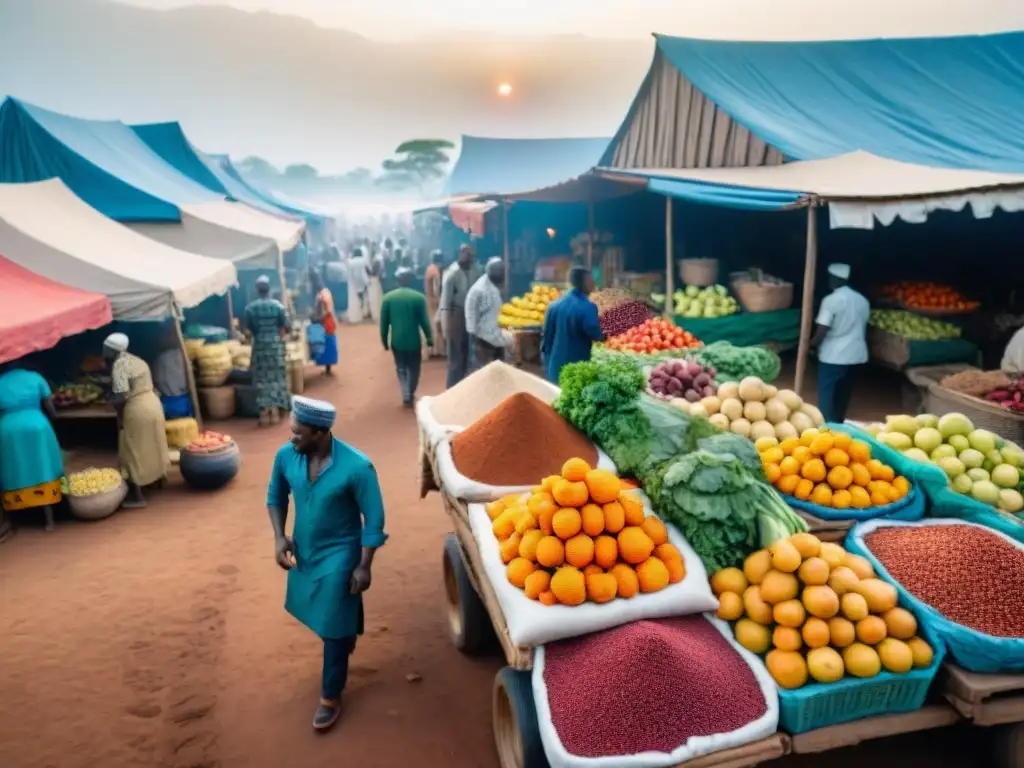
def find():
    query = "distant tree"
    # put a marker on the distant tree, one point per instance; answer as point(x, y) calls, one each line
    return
point(258, 167)
point(301, 172)
point(416, 162)
point(358, 177)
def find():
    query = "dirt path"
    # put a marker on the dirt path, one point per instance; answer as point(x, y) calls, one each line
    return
point(158, 637)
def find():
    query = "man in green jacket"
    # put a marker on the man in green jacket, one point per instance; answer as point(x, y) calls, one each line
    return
point(402, 316)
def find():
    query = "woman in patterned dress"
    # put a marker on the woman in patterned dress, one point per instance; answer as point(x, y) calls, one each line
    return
point(267, 320)
point(142, 432)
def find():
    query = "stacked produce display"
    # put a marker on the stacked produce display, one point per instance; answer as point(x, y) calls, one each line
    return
point(214, 363)
point(579, 536)
point(830, 469)
point(684, 383)
point(978, 463)
point(78, 394)
point(912, 326)
point(732, 363)
point(757, 410)
point(706, 302)
point(653, 336)
point(928, 297)
point(210, 442)
point(818, 613)
point(528, 310)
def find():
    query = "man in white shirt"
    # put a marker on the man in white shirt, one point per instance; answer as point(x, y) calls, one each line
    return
point(1013, 356)
point(840, 336)
point(483, 305)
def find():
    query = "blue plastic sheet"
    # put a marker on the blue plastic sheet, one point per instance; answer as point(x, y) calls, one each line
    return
point(969, 648)
point(724, 195)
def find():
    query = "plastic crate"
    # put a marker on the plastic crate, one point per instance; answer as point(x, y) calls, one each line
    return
point(823, 704)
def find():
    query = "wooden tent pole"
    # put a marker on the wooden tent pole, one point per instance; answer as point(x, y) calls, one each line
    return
point(505, 254)
point(807, 306)
point(590, 234)
point(670, 280)
point(193, 391)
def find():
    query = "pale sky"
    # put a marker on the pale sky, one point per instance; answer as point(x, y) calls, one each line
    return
point(736, 19)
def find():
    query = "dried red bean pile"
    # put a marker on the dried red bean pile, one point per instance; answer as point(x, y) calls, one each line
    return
point(971, 576)
point(623, 317)
point(649, 686)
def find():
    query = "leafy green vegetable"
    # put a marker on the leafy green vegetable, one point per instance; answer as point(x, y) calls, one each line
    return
point(738, 446)
point(733, 363)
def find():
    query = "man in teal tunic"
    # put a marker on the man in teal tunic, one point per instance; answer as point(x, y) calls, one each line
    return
point(339, 524)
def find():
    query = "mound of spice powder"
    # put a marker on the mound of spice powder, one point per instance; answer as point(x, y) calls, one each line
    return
point(970, 575)
point(519, 442)
point(649, 686)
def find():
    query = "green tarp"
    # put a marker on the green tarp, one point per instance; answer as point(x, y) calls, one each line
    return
point(747, 329)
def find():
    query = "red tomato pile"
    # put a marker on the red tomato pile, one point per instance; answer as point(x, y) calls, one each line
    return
point(654, 335)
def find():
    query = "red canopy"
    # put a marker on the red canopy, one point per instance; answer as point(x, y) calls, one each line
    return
point(36, 313)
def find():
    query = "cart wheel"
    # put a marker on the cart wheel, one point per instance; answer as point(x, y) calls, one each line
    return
point(514, 718)
point(1007, 746)
point(468, 622)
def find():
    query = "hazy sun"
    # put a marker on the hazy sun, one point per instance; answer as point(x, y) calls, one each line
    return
point(505, 90)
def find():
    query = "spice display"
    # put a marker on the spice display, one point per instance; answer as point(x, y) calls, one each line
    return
point(831, 469)
point(911, 326)
point(649, 686)
point(528, 310)
point(970, 575)
point(735, 363)
point(579, 536)
point(609, 298)
point(979, 463)
point(974, 382)
point(518, 441)
point(624, 317)
point(928, 296)
point(819, 613)
point(651, 336)
point(758, 410)
point(473, 397)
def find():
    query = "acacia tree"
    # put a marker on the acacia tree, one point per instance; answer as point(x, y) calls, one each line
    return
point(416, 163)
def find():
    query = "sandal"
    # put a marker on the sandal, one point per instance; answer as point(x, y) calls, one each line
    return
point(327, 715)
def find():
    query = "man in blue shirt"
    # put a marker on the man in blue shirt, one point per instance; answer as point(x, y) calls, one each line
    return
point(571, 325)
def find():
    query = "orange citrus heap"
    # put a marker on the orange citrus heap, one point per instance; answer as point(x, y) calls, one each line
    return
point(818, 613)
point(831, 469)
point(583, 535)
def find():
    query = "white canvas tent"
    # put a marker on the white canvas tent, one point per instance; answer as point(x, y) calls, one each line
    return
point(46, 229)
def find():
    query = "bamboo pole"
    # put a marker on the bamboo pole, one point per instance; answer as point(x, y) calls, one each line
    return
point(670, 278)
point(505, 254)
point(193, 391)
point(807, 305)
point(590, 234)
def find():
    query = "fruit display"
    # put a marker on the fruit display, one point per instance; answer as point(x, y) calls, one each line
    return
point(928, 296)
point(686, 380)
point(209, 442)
point(528, 310)
point(1011, 396)
point(652, 336)
point(214, 361)
point(977, 462)
point(607, 299)
point(624, 317)
point(579, 536)
point(92, 481)
point(910, 326)
point(757, 410)
point(72, 395)
point(817, 614)
point(711, 302)
point(830, 469)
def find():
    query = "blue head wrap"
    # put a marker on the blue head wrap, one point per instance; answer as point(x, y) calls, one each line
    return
point(313, 413)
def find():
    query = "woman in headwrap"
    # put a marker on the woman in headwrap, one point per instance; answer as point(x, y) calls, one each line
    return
point(267, 320)
point(31, 464)
point(323, 313)
point(142, 434)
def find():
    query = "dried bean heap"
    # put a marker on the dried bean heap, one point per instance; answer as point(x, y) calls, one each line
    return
point(971, 576)
point(648, 686)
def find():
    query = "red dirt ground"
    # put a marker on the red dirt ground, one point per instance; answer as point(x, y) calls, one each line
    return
point(158, 637)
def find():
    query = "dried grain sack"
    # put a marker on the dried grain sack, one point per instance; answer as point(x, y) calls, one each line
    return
point(517, 443)
point(473, 397)
point(969, 574)
point(649, 686)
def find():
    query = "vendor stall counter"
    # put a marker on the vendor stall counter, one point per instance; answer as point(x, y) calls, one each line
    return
point(781, 328)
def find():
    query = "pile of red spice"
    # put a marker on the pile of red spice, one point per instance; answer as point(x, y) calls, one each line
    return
point(971, 576)
point(519, 442)
point(649, 686)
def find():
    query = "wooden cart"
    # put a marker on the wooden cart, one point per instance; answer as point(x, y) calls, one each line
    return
point(475, 620)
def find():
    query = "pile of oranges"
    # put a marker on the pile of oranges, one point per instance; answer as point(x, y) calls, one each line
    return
point(581, 536)
point(830, 469)
point(925, 295)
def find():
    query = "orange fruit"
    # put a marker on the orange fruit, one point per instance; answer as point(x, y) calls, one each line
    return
point(635, 546)
point(875, 468)
point(592, 568)
point(579, 551)
point(789, 466)
point(840, 477)
point(669, 551)
point(604, 487)
point(536, 583)
point(859, 451)
point(822, 444)
point(804, 488)
point(518, 570)
point(871, 630)
point(656, 529)
point(861, 475)
point(813, 470)
point(510, 548)
point(540, 502)
point(548, 598)
point(570, 494)
point(601, 587)
point(569, 585)
point(606, 551)
point(575, 470)
point(842, 440)
point(773, 472)
point(545, 520)
point(550, 552)
point(887, 473)
point(629, 584)
point(772, 456)
point(859, 498)
point(902, 485)
point(614, 517)
point(802, 454)
point(787, 639)
point(527, 522)
point(788, 483)
point(567, 523)
point(676, 569)
point(815, 633)
point(822, 495)
point(841, 499)
point(788, 445)
point(592, 517)
point(836, 458)
point(652, 575)
point(549, 482)
point(879, 498)
point(528, 545)
point(634, 509)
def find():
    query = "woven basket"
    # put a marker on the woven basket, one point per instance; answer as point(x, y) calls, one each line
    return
point(217, 402)
point(699, 272)
point(985, 415)
point(192, 346)
point(763, 297)
point(99, 505)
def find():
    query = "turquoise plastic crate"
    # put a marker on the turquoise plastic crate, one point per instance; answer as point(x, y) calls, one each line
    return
point(820, 705)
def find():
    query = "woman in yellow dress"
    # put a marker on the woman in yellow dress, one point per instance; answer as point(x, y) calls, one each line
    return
point(142, 435)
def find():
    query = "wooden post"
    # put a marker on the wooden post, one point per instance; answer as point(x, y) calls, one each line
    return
point(670, 277)
point(590, 234)
point(505, 254)
point(193, 391)
point(231, 313)
point(807, 306)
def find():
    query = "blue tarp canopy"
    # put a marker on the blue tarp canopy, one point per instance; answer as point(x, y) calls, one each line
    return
point(228, 169)
point(103, 162)
point(952, 102)
point(499, 167)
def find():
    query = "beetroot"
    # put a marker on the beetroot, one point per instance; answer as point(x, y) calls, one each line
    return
point(620, 319)
point(648, 686)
